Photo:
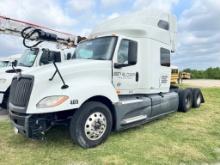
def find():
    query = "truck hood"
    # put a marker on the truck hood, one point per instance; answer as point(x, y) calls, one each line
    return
point(77, 68)
point(92, 76)
point(69, 67)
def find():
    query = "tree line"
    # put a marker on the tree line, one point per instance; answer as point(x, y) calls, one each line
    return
point(210, 73)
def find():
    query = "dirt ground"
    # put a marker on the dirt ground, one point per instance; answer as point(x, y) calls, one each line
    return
point(202, 83)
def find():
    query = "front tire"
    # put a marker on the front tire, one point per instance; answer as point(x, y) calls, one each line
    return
point(91, 124)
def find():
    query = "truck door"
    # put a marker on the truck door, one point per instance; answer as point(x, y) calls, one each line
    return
point(125, 72)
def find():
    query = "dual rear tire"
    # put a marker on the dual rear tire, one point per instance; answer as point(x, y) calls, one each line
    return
point(197, 98)
point(189, 98)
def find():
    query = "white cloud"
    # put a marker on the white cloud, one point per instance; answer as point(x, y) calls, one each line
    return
point(48, 13)
point(42, 12)
point(107, 3)
point(164, 5)
point(81, 5)
point(199, 35)
point(85, 31)
point(13, 45)
point(113, 15)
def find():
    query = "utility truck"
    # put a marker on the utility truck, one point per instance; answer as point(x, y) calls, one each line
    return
point(31, 58)
point(37, 53)
point(7, 61)
point(120, 78)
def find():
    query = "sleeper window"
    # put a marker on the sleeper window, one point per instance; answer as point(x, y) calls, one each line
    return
point(163, 25)
point(164, 57)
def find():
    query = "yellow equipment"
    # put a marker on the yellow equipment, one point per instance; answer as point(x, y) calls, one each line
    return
point(174, 74)
point(185, 75)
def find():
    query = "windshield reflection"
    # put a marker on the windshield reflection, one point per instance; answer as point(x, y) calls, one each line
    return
point(28, 57)
point(98, 49)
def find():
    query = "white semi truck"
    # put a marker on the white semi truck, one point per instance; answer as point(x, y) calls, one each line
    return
point(120, 78)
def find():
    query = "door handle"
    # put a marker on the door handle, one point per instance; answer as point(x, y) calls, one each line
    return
point(137, 77)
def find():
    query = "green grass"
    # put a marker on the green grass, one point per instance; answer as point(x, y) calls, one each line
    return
point(180, 138)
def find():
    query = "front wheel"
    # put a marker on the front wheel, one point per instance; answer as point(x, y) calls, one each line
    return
point(91, 124)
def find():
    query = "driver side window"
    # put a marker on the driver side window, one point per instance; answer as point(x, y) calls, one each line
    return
point(123, 52)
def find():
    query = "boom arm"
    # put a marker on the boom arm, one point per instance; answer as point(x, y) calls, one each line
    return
point(36, 33)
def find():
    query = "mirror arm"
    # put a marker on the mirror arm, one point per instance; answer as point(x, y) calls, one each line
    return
point(64, 86)
point(53, 75)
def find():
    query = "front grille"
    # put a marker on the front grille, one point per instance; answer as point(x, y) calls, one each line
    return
point(20, 91)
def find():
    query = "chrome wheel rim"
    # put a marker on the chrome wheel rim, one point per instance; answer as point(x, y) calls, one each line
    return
point(95, 126)
point(188, 102)
point(198, 101)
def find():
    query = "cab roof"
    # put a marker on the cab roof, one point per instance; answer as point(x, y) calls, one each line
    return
point(146, 23)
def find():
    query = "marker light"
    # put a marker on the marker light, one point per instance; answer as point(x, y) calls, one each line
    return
point(51, 101)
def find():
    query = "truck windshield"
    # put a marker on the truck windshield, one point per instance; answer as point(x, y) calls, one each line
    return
point(28, 57)
point(98, 49)
point(3, 64)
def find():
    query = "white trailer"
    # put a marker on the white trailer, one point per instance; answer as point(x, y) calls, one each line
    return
point(120, 78)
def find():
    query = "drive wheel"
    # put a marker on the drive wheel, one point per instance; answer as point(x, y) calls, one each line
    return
point(185, 100)
point(197, 98)
point(91, 124)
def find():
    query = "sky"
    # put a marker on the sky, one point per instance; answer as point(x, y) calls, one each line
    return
point(198, 23)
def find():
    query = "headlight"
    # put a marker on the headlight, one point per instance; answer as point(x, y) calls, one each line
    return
point(2, 80)
point(51, 101)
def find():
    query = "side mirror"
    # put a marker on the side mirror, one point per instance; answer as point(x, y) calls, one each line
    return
point(45, 57)
point(50, 56)
point(132, 54)
point(55, 57)
point(68, 57)
point(14, 63)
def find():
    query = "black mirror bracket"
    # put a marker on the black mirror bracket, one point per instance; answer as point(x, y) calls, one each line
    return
point(64, 86)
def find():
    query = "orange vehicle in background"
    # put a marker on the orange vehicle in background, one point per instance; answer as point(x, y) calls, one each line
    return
point(177, 76)
point(185, 75)
point(174, 75)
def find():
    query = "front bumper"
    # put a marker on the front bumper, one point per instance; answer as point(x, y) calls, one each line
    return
point(31, 126)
